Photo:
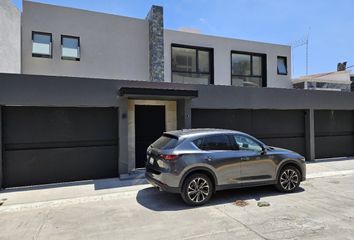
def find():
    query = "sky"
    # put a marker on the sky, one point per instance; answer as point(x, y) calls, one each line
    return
point(329, 24)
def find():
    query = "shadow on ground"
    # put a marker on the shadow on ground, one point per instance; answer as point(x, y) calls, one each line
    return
point(156, 200)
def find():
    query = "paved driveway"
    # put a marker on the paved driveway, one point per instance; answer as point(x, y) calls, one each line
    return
point(322, 209)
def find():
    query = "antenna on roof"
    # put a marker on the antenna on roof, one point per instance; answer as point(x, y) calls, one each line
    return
point(304, 41)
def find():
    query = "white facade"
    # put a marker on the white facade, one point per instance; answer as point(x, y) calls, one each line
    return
point(10, 38)
point(112, 46)
point(117, 47)
point(222, 55)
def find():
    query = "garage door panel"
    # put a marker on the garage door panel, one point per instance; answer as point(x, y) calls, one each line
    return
point(43, 124)
point(294, 144)
point(39, 166)
point(334, 133)
point(334, 146)
point(239, 120)
point(280, 128)
point(52, 144)
point(279, 122)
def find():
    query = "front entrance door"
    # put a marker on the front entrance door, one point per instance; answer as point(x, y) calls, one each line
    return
point(149, 126)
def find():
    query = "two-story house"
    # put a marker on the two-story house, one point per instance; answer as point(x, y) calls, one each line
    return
point(93, 90)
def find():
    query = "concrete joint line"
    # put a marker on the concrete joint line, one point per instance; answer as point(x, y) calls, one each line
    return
point(329, 174)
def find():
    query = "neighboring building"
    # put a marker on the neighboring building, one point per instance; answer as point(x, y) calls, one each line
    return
point(63, 41)
point(10, 38)
point(352, 80)
point(332, 81)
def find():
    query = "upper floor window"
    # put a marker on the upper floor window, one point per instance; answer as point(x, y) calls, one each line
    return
point(41, 44)
point(192, 65)
point(70, 48)
point(248, 69)
point(282, 66)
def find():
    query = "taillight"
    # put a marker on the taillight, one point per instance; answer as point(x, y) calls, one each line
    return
point(169, 157)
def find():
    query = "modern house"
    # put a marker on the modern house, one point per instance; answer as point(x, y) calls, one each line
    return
point(331, 81)
point(84, 93)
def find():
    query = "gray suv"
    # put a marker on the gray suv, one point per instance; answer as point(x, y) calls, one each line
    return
point(198, 162)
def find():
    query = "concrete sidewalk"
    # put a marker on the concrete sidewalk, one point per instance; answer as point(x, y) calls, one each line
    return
point(93, 190)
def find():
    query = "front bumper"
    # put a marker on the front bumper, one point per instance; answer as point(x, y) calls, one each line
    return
point(162, 186)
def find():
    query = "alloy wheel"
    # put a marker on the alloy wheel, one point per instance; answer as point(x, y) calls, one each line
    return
point(289, 179)
point(198, 190)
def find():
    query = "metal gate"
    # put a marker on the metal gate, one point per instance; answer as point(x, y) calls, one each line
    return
point(49, 145)
point(334, 133)
point(280, 128)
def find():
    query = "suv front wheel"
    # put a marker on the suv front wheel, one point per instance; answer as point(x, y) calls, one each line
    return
point(289, 179)
point(197, 189)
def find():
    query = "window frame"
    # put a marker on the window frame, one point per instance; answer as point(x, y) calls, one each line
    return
point(51, 45)
point(286, 65)
point(264, 66)
point(61, 48)
point(197, 48)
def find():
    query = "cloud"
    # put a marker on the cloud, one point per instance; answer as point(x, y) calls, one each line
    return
point(189, 30)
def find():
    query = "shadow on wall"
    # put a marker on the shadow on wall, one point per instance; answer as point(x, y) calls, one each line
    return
point(155, 200)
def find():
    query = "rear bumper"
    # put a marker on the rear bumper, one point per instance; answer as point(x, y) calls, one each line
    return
point(162, 186)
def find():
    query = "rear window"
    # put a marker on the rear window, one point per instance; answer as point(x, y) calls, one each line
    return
point(165, 142)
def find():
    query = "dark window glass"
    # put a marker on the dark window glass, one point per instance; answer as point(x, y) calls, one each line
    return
point(241, 64)
point(70, 48)
point(247, 69)
point(246, 143)
point(282, 67)
point(214, 142)
point(165, 142)
point(41, 44)
point(191, 65)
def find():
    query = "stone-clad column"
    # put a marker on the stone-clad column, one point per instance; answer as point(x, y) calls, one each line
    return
point(156, 44)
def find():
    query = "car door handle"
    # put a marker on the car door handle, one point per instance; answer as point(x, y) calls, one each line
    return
point(208, 158)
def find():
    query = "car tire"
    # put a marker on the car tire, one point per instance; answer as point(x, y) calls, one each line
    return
point(197, 189)
point(288, 179)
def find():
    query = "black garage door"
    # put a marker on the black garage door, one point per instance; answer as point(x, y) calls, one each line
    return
point(50, 145)
point(280, 128)
point(334, 133)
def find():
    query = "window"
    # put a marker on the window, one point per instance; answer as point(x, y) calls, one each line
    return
point(246, 143)
point(248, 69)
point(70, 48)
point(165, 142)
point(192, 65)
point(41, 44)
point(282, 66)
point(214, 142)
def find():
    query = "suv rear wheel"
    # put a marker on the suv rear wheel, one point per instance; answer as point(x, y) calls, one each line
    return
point(197, 189)
point(289, 179)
